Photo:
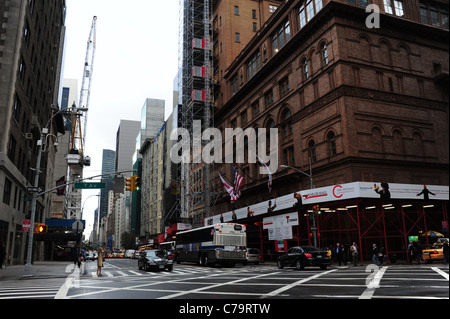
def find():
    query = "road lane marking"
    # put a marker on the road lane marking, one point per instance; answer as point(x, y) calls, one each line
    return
point(440, 272)
point(212, 286)
point(299, 282)
point(373, 284)
point(122, 273)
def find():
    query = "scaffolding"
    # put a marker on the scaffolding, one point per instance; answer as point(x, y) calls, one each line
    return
point(195, 104)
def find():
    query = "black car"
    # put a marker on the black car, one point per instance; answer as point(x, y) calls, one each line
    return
point(155, 259)
point(304, 256)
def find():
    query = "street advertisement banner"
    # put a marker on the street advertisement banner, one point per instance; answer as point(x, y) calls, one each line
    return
point(374, 190)
point(280, 227)
point(335, 193)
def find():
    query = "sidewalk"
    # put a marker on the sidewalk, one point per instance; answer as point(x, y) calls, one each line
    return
point(40, 270)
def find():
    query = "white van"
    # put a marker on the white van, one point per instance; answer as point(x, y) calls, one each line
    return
point(129, 253)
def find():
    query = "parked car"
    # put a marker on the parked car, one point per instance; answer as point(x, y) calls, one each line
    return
point(136, 254)
point(154, 259)
point(304, 256)
point(435, 252)
point(253, 256)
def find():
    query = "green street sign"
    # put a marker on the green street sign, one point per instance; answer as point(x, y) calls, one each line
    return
point(89, 185)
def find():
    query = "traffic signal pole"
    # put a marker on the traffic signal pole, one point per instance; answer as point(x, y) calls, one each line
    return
point(28, 269)
point(28, 272)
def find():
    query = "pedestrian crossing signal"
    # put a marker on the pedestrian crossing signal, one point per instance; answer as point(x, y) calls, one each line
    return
point(40, 228)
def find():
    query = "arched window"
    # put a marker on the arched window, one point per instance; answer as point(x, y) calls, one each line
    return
point(287, 126)
point(418, 144)
point(269, 125)
point(324, 51)
point(377, 140)
point(305, 69)
point(331, 138)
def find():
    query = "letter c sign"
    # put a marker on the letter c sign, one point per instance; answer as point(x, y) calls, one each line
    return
point(334, 191)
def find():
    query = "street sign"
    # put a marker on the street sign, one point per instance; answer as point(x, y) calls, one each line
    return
point(89, 185)
point(34, 189)
point(26, 225)
point(77, 226)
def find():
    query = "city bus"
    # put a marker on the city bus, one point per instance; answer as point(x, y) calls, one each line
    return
point(223, 244)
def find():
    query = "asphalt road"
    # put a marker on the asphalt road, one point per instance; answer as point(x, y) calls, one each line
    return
point(123, 280)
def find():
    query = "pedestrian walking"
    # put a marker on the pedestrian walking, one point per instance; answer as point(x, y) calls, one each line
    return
point(420, 258)
point(339, 253)
point(411, 252)
point(2, 255)
point(328, 249)
point(375, 253)
point(354, 249)
point(445, 250)
point(100, 262)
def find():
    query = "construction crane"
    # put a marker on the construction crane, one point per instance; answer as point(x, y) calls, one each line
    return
point(76, 159)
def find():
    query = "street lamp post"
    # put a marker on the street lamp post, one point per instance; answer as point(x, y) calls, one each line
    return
point(81, 219)
point(41, 143)
point(314, 228)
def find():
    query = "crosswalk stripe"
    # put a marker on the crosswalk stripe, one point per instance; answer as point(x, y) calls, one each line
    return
point(122, 273)
point(176, 271)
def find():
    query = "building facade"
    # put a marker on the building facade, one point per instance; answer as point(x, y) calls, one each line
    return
point(350, 102)
point(31, 46)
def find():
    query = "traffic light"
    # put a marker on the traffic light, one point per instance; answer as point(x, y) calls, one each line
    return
point(316, 209)
point(129, 183)
point(40, 228)
point(137, 184)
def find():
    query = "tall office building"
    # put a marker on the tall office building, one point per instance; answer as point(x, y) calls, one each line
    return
point(126, 144)
point(31, 46)
point(108, 166)
point(125, 150)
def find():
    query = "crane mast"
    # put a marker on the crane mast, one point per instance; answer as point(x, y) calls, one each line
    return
point(76, 159)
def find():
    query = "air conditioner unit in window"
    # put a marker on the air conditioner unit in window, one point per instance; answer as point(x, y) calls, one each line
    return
point(29, 136)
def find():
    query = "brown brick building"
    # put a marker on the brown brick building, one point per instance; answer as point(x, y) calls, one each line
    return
point(364, 104)
point(360, 103)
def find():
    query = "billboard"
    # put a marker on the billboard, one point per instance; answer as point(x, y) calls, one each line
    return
point(332, 193)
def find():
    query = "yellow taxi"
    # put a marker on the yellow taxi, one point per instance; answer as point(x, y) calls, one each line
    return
point(436, 251)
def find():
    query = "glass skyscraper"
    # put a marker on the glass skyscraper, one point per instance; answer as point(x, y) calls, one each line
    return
point(108, 166)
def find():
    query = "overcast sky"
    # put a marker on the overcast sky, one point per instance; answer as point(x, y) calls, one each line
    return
point(136, 58)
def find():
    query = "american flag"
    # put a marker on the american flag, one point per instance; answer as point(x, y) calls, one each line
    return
point(229, 189)
point(269, 183)
point(238, 181)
